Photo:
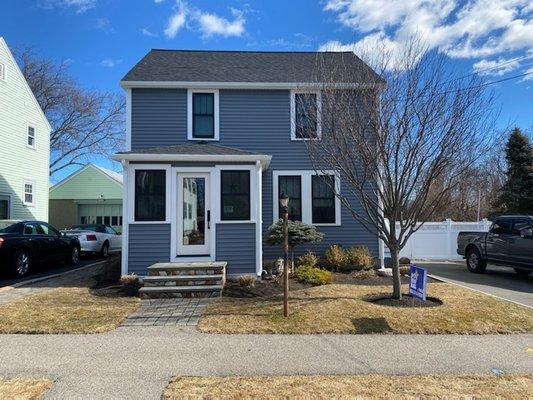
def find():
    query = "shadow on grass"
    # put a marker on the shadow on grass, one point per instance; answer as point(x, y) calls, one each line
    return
point(371, 325)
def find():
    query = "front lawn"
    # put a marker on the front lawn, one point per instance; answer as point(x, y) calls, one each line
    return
point(69, 309)
point(23, 389)
point(350, 387)
point(341, 308)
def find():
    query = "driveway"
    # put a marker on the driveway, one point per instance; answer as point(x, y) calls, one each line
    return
point(43, 271)
point(497, 281)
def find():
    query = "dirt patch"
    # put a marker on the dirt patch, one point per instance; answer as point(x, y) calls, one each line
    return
point(261, 288)
point(406, 301)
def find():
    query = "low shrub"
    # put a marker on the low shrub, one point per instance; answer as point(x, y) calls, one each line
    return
point(404, 271)
point(359, 256)
point(335, 258)
point(309, 259)
point(312, 275)
point(130, 284)
point(247, 281)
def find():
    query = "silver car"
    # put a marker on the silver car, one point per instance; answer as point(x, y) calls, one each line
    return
point(96, 238)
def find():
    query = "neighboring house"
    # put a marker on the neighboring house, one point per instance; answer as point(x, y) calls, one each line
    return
point(91, 195)
point(210, 147)
point(24, 145)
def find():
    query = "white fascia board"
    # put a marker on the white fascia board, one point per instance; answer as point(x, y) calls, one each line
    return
point(263, 159)
point(248, 85)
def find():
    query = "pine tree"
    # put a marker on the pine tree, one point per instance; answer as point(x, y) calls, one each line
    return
point(516, 195)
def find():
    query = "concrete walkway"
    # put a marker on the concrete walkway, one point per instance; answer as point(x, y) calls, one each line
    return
point(136, 363)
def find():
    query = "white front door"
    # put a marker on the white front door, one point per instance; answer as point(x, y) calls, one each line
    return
point(193, 214)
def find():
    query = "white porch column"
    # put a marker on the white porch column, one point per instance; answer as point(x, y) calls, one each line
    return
point(125, 218)
point(259, 220)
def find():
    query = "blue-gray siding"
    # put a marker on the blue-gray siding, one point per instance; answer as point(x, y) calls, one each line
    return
point(148, 244)
point(255, 120)
point(236, 245)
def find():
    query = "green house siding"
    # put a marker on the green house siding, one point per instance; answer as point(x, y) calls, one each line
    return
point(90, 183)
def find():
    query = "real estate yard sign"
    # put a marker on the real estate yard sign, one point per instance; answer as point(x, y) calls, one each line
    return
point(418, 282)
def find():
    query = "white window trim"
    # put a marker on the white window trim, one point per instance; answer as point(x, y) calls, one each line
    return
point(131, 192)
point(32, 183)
point(3, 67)
point(293, 114)
point(307, 195)
point(28, 126)
point(9, 197)
point(190, 92)
point(253, 193)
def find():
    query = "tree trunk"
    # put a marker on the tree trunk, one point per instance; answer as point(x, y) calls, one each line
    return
point(396, 278)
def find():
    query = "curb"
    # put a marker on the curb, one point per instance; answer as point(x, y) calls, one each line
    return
point(45, 278)
point(438, 278)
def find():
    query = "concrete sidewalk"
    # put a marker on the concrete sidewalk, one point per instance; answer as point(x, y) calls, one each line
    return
point(136, 363)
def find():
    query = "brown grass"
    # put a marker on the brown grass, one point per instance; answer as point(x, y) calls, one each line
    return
point(350, 387)
point(340, 308)
point(71, 309)
point(20, 389)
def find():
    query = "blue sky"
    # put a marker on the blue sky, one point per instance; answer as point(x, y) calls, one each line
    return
point(102, 39)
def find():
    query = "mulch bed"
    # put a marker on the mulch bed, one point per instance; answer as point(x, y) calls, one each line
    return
point(406, 301)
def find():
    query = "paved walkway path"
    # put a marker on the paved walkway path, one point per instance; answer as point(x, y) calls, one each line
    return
point(168, 312)
point(136, 363)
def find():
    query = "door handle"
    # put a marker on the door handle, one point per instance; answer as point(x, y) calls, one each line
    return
point(208, 219)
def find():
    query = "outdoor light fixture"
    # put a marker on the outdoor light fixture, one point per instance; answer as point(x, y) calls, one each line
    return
point(284, 202)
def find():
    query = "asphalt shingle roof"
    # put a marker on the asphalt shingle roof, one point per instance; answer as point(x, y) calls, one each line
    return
point(251, 66)
point(198, 148)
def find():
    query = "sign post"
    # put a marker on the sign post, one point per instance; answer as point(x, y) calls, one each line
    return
point(418, 282)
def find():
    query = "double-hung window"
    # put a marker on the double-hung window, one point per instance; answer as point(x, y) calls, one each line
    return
point(306, 121)
point(31, 137)
point(29, 193)
point(203, 113)
point(150, 195)
point(312, 196)
point(235, 195)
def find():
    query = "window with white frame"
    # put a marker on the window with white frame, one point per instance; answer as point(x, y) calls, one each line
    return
point(31, 137)
point(202, 114)
point(29, 193)
point(235, 195)
point(306, 120)
point(150, 195)
point(312, 196)
point(2, 71)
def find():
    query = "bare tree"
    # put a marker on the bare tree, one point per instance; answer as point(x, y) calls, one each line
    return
point(84, 123)
point(401, 143)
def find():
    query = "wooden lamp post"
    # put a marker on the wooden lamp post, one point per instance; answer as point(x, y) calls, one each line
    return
point(284, 203)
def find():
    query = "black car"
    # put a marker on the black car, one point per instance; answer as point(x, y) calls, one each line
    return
point(26, 243)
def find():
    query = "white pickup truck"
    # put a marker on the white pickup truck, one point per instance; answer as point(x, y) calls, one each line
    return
point(96, 238)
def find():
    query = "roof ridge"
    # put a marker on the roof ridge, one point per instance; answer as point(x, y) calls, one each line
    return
point(251, 51)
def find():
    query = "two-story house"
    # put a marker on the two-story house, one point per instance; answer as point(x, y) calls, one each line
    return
point(212, 140)
point(24, 145)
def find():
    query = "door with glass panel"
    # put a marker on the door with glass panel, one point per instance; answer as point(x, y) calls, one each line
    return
point(193, 214)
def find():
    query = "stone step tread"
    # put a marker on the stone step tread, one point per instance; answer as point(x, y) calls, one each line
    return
point(178, 289)
point(193, 265)
point(170, 278)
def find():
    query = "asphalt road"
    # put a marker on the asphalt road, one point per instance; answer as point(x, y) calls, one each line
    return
point(48, 270)
point(497, 281)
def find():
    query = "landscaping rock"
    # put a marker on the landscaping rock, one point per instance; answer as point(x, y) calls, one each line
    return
point(384, 272)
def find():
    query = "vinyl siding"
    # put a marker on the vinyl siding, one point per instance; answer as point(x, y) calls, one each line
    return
point(17, 161)
point(236, 245)
point(89, 183)
point(254, 120)
point(148, 244)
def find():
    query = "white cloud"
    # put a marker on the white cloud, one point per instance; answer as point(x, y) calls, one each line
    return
point(80, 6)
point(496, 67)
point(473, 29)
point(212, 24)
point(158, 1)
point(529, 76)
point(104, 24)
point(110, 63)
point(148, 32)
point(176, 20)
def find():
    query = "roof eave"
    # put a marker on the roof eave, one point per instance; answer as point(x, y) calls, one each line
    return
point(144, 157)
point(249, 85)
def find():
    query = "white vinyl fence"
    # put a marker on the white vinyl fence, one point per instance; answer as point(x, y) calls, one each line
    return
point(438, 240)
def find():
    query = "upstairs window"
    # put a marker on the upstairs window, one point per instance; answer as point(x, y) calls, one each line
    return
point(150, 195)
point(31, 137)
point(203, 115)
point(305, 115)
point(235, 195)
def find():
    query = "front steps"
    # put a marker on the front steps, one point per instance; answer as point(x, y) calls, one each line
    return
point(197, 279)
